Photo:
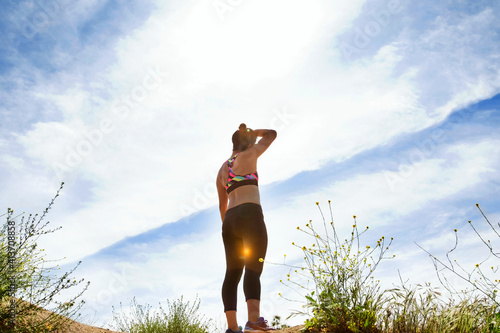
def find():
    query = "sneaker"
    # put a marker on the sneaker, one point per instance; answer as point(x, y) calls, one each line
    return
point(231, 331)
point(259, 326)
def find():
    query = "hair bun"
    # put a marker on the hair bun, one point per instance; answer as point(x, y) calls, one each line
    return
point(243, 127)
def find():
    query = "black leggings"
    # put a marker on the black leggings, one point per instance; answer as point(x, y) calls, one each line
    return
point(245, 242)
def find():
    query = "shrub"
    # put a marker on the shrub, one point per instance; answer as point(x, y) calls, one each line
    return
point(276, 323)
point(475, 309)
point(478, 278)
point(346, 297)
point(24, 267)
point(180, 318)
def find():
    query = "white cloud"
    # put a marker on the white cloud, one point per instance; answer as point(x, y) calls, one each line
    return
point(12, 162)
point(464, 70)
point(146, 170)
point(438, 178)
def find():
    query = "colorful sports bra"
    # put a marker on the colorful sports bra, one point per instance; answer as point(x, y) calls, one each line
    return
point(234, 181)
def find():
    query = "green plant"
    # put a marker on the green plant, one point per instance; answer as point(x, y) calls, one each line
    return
point(276, 323)
point(475, 309)
point(422, 309)
point(181, 317)
point(477, 278)
point(345, 296)
point(23, 265)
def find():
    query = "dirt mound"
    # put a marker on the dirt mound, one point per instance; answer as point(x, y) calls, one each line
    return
point(295, 329)
point(81, 328)
point(76, 327)
point(70, 326)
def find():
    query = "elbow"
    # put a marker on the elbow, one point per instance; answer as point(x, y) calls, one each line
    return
point(272, 134)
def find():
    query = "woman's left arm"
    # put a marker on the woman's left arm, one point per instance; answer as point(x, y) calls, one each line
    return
point(268, 136)
point(223, 197)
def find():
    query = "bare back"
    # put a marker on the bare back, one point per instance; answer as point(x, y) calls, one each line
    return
point(245, 163)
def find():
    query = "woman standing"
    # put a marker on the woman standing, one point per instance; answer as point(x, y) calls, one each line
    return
point(243, 228)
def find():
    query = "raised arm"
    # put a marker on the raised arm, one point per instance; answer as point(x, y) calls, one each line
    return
point(268, 136)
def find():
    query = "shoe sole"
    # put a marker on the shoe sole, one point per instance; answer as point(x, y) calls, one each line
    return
point(252, 330)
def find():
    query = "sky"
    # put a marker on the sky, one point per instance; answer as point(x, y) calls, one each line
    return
point(388, 108)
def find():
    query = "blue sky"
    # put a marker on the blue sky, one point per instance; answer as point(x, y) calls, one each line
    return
point(388, 108)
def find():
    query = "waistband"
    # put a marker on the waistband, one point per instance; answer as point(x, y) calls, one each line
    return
point(246, 205)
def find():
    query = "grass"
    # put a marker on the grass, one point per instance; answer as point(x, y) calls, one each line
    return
point(345, 297)
point(409, 310)
point(180, 317)
point(342, 294)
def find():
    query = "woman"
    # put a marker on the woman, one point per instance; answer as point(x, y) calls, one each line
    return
point(243, 228)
